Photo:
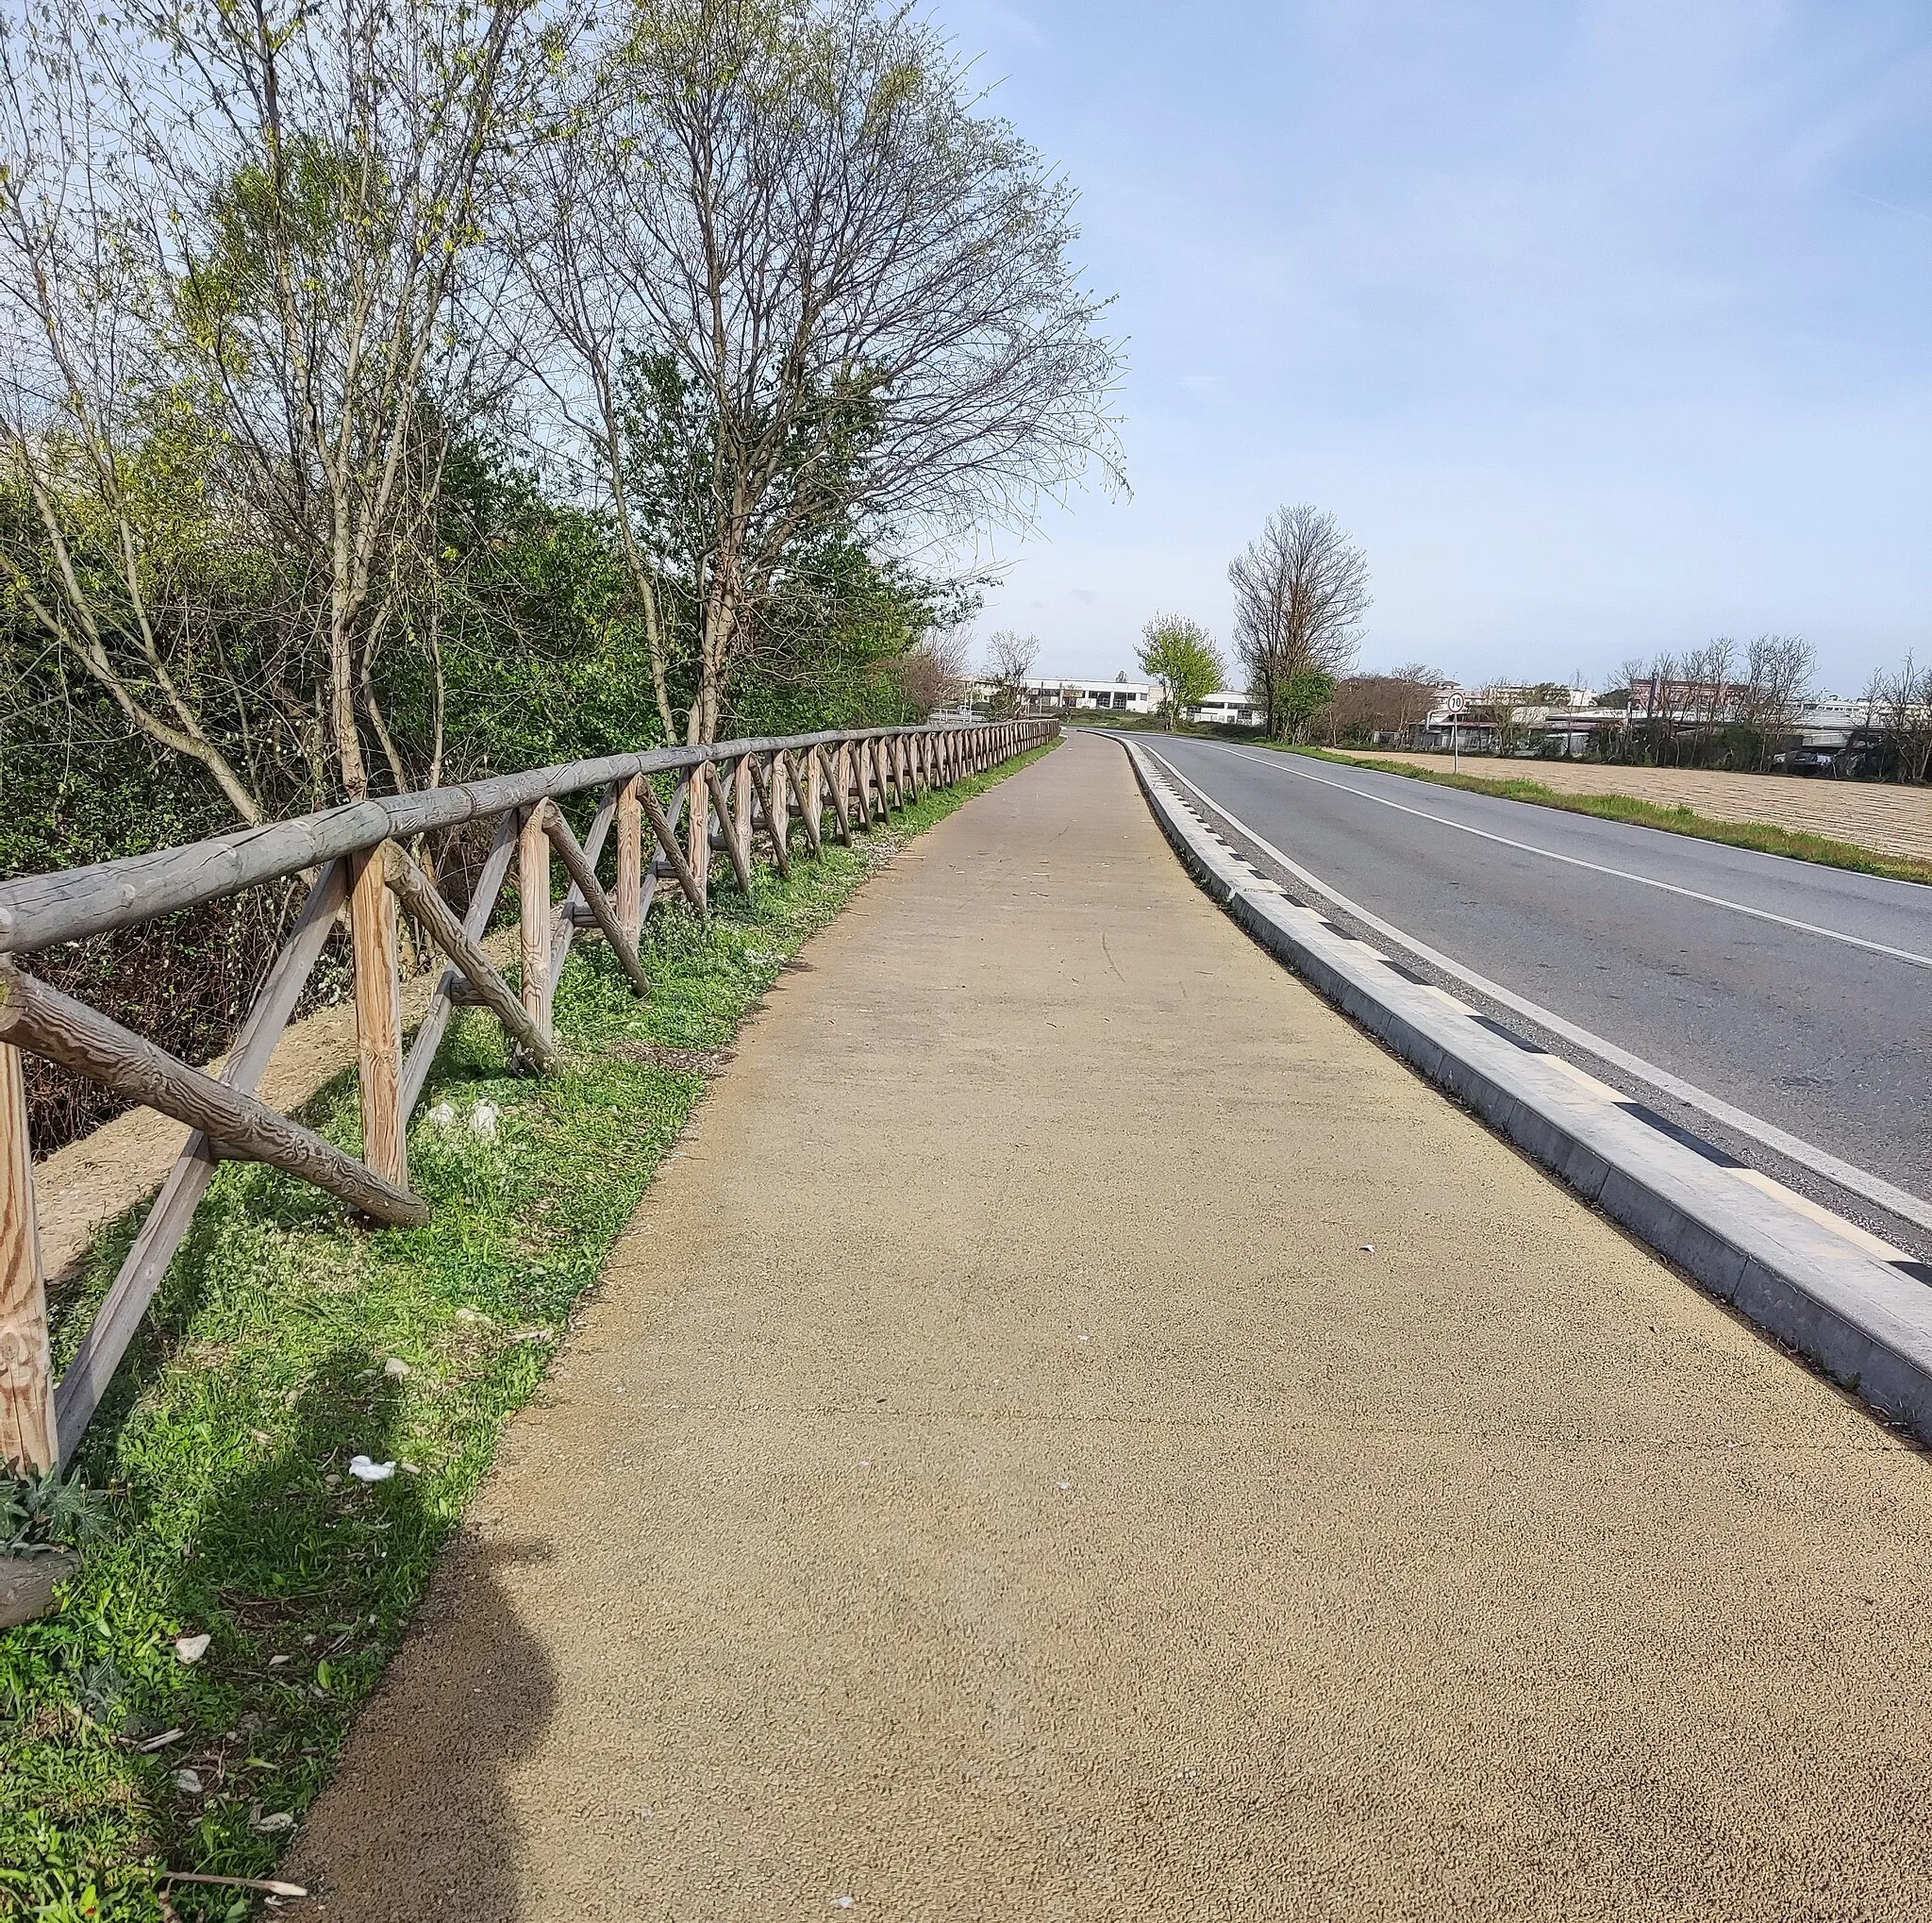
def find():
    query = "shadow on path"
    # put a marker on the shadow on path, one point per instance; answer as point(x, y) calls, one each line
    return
point(421, 1823)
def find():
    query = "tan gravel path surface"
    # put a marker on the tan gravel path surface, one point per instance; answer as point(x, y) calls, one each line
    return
point(997, 1481)
point(1885, 818)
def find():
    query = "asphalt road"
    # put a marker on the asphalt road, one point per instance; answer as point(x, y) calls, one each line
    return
point(1685, 952)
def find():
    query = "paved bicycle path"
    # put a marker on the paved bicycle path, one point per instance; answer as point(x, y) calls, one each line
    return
point(997, 1481)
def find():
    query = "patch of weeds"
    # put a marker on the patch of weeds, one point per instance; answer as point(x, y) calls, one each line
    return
point(283, 1344)
point(41, 1515)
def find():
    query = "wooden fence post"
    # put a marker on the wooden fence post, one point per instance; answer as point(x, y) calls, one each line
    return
point(629, 898)
point(740, 803)
point(777, 807)
point(379, 1017)
point(697, 830)
point(533, 910)
point(26, 1370)
point(841, 781)
point(815, 793)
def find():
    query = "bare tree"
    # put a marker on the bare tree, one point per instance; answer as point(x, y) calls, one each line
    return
point(1009, 659)
point(933, 674)
point(267, 220)
point(1420, 687)
point(802, 278)
point(1778, 670)
point(1709, 690)
point(1898, 704)
point(1301, 589)
point(84, 296)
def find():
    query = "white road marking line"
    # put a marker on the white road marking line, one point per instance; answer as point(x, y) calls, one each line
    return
point(1286, 765)
point(1855, 1180)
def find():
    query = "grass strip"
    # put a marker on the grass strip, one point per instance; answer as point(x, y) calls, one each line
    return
point(284, 1343)
point(1767, 840)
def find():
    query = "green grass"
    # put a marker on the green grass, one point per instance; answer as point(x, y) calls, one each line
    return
point(1761, 836)
point(268, 1361)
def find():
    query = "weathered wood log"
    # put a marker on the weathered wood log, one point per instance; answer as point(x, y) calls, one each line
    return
point(743, 785)
point(729, 826)
point(435, 1021)
point(809, 798)
point(419, 896)
point(163, 1229)
point(857, 778)
point(44, 1021)
point(378, 993)
point(834, 767)
point(778, 815)
point(37, 910)
point(697, 834)
point(579, 869)
point(667, 842)
point(29, 1444)
point(628, 898)
point(564, 924)
point(533, 913)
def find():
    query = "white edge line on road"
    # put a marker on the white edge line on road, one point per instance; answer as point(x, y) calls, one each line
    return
point(1855, 1180)
point(1286, 765)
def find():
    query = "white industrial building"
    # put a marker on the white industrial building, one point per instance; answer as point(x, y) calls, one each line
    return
point(1047, 696)
point(1052, 694)
point(1229, 709)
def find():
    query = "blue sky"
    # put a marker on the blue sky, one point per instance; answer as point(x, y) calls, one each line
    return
point(1603, 328)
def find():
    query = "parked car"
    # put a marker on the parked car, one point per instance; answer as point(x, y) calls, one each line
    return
point(1805, 761)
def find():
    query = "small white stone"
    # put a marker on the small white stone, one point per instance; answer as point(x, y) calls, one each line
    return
point(395, 1368)
point(441, 1116)
point(483, 1120)
point(188, 1779)
point(190, 1649)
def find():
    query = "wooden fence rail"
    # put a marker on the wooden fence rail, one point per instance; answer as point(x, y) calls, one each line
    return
point(741, 799)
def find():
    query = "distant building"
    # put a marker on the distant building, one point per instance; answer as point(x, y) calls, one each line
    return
point(1229, 709)
point(1040, 695)
point(1828, 731)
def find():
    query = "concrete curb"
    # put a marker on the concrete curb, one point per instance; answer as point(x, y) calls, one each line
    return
point(1793, 1270)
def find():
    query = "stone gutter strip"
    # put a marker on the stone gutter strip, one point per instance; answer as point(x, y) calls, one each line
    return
point(1839, 1296)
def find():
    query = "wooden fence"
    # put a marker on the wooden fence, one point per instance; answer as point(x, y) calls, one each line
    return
point(728, 798)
